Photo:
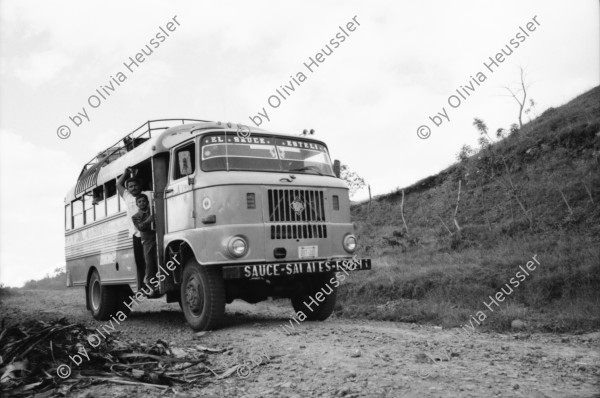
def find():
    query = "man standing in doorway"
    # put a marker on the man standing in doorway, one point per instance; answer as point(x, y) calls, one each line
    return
point(130, 188)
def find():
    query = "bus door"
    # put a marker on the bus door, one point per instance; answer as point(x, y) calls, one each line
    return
point(160, 179)
point(179, 195)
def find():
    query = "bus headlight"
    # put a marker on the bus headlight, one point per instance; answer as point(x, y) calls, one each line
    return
point(350, 243)
point(237, 246)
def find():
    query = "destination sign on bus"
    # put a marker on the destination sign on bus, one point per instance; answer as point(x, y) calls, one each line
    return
point(221, 139)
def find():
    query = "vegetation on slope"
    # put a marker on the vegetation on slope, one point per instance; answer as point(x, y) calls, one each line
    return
point(535, 192)
point(56, 281)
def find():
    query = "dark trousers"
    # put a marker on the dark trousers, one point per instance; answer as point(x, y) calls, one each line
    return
point(149, 245)
point(138, 255)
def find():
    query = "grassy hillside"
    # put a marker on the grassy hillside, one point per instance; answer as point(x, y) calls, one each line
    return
point(535, 192)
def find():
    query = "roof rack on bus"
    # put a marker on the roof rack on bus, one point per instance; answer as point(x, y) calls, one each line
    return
point(89, 173)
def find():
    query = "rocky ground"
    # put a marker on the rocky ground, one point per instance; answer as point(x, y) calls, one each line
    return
point(338, 357)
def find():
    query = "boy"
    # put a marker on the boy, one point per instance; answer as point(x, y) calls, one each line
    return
point(144, 222)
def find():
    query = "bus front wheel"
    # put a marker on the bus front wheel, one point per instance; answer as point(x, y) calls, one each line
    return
point(202, 296)
point(105, 301)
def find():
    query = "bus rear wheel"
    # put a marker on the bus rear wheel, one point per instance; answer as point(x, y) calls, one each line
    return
point(105, 301)
point(316, 310)
point(202, 296)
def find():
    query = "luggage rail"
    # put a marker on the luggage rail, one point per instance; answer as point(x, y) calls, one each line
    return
point(89, 174)
point(134, 139)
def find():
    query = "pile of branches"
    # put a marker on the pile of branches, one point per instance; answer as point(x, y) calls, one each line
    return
point(37, 356)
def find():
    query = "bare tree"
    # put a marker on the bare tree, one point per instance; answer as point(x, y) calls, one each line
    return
point(588, 192)
point(566, 201)
point(487, 220)
point(520, 95)
point(456, 208)
point(369, 206)
point(402, 212)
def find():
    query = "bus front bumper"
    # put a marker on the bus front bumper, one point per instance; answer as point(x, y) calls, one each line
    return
point(263, 270)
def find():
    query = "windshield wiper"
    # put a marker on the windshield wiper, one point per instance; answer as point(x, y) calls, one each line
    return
point(305, 168)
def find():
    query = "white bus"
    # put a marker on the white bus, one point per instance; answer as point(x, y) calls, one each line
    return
point(249, 216)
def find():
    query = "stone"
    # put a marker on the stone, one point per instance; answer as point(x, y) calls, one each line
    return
point(178, 352)
point(355, 354)
point(517, 324)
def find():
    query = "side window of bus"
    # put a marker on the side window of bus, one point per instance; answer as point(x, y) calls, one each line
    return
point(98, 202)
point(77, 213)
point(68, 219)
point(88, 207)
point(112, 199)
point(185, 161)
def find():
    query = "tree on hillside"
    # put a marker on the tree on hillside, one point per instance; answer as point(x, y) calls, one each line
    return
point(519, 94)
point(486, 144)
point(354, 181)
point(514, 128)
point(531, 108)
point(465, 152)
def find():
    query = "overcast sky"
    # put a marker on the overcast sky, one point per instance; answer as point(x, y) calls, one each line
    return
point(223, 62)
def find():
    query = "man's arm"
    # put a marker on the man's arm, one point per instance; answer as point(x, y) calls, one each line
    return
point(137, 221)
point(142, 225)
point(121, 181)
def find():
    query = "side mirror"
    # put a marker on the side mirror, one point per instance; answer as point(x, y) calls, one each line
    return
point(336, 168)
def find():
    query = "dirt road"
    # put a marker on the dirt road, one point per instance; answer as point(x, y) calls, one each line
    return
point(341, 357)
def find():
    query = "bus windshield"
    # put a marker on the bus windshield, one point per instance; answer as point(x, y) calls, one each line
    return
point(264, 153)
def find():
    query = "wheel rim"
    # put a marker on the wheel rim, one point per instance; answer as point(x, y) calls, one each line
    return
point(194, 297)
point(95, 294)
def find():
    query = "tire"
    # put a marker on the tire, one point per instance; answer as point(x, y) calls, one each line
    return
point(106, 301)
point(124, 293)
point(202, 296)
point(314, 284)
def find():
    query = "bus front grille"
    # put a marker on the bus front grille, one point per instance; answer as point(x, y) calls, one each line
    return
point(298, 231)
point(296, 205)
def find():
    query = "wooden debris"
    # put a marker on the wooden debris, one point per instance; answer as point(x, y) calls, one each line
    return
point(31, 353)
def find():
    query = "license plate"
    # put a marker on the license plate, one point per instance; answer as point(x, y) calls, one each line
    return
point(308, 251)
point(297, 268)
